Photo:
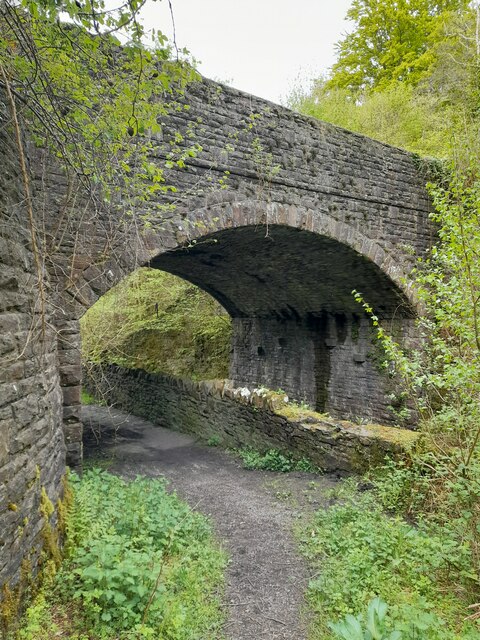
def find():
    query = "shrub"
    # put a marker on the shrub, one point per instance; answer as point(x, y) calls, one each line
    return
point(351, 628)
point(274, 460)
point(423, 570)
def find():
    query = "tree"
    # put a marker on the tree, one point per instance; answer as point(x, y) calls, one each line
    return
point(391, 42)
point(454, 74)
point(80, 74)
point(431, 111)
point(400, 115)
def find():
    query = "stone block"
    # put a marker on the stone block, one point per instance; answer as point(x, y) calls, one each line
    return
point(71, 395)
point(71, 374)
point(26, 410)
point(69, 357)
point(9, 394)
point(7, 344)
point(73, 433)
point(71, 413)
point(5, 430)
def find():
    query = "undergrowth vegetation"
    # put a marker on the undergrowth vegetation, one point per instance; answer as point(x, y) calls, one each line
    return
point(273, 460)
point(414, 539)
point(158, 322)
point(374, 627)
point(407, 73)
point(363, 546)
point(139, 564)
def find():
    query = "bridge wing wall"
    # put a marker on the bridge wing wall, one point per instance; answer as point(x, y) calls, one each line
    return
point(32, 449)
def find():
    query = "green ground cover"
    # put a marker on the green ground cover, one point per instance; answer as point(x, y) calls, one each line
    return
point(139, 564)
point(391, 542)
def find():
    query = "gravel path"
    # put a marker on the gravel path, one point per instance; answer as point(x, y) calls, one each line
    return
point(253, 513)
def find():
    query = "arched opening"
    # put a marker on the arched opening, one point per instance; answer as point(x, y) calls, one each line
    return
point(160, 323)
point(296, 324)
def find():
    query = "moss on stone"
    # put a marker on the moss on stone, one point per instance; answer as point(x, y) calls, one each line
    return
point(9, 607)
point(63, 506)
point(12, 598)
point(297, 413)
point(46, 505)
point(403, 439)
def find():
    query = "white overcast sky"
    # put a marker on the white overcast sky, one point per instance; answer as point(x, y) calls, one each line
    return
point(259, 46)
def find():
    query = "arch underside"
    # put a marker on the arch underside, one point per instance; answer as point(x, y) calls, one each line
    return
point(296, 323)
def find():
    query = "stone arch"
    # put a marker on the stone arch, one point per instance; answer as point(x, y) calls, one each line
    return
point(315, 345)
point(219, 217)
point(285, 275)
point(317, 333)
point(92, 281)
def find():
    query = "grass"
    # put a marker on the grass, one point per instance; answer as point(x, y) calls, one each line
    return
point(139, 564)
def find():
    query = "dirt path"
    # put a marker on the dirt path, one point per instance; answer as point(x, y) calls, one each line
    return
point(253, 514)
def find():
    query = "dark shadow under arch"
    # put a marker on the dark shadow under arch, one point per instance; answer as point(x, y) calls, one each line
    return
point(296, 323)
point(283, 272)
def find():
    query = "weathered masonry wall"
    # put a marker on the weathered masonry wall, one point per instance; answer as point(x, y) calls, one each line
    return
point(279, 217)
point(276, 155)
point(32, 451)
point(331, 362)
point(286, 172)
point(238, 418)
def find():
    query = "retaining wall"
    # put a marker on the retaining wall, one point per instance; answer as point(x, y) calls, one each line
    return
point(239, 417)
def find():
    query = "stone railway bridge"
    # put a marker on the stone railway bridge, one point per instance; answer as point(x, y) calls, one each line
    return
point(279, 217)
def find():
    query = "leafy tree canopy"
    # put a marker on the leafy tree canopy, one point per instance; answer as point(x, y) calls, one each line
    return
point(432, 106)
point(81, 74)
point(392, 40)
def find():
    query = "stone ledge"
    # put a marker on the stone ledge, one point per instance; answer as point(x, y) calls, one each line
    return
point(238, 416)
